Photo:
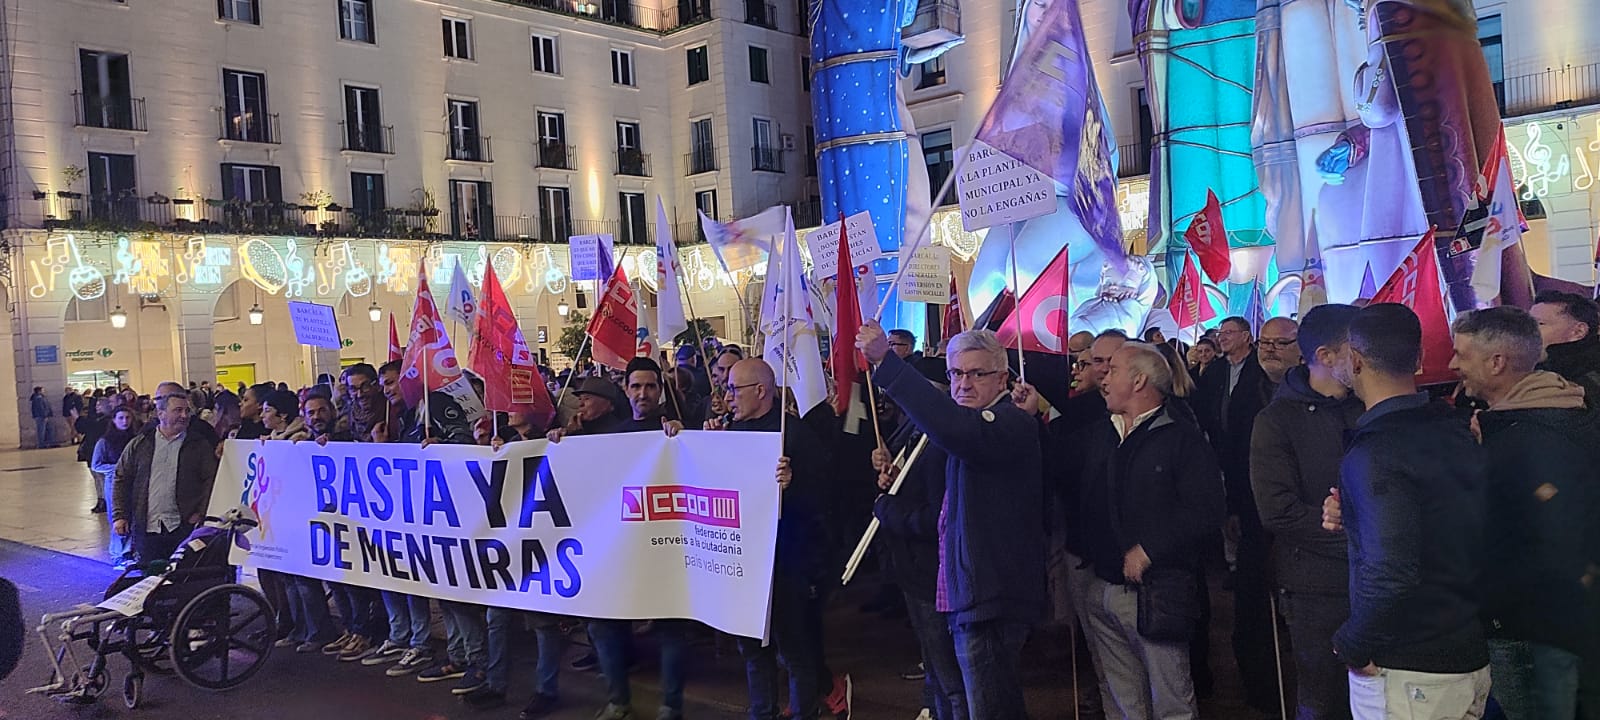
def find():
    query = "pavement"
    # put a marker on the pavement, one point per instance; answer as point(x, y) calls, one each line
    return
point(55, 551)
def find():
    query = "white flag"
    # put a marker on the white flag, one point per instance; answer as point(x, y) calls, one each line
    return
point(791, 345)
point(1503, 226)
point(461, 307)
point(670, 320)
point(741, 244)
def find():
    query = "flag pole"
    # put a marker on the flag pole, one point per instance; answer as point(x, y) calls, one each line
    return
point(788, 327)
point(1022, 367)
point(916, 242)
point(694, 320)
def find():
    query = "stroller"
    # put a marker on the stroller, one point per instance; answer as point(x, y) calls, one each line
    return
point(187, 615)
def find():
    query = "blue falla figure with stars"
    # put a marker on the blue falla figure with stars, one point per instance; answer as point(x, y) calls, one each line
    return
point(865, 136)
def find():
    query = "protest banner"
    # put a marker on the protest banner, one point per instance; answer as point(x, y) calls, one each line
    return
point(314, 325)
point(631, 526)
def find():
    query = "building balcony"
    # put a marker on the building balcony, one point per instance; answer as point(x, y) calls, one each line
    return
point(701, 160)
point(128, 212)
point(112, 113)
point(371, 139)
point(626, 13)
point(1554, 89)
point(248, 126)
point(766, 159)
point(1133, 160)
point(517, 227)
point(469, 148)
point(553, 156)
point(633, 163)
point(808, 214)
point(760, 13)
point(937, 22)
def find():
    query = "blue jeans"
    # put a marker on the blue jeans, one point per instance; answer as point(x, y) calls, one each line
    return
point(466, 631)
point(360, 608)
point(1531, 681)
point(552, 643)
point(796, 624)
point(948, 699)
point(408, 619)
point(121, 546)
point(990, 654)
point(41, 429)
point(309, 608)
point(613, 642)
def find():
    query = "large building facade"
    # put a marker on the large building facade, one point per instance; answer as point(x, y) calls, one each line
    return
point(171, 165)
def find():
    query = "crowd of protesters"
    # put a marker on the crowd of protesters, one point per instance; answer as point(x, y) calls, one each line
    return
point(1386, 552)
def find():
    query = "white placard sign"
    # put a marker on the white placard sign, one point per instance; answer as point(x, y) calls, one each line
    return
point(995, 188)
point(631, 526)
point(130, 601)
point(927, 275)
point(585, 253)
point(314, 325)
point(824, 245)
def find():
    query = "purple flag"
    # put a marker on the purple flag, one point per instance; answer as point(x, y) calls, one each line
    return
point(1255, 310)
point(1047, 116)
point(1369, 285)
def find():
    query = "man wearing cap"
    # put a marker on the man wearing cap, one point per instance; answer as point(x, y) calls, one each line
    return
point(600, 408)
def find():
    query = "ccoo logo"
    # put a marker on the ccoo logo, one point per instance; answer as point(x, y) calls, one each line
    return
point(680, 502)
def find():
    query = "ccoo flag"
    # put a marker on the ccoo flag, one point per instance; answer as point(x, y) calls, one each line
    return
point(430, 363)
point(461, 306)
point(1043, 311)
point(1047, 116)
point(614, 329)
point(499, 354)
point(1415, 284)
point(394, 340)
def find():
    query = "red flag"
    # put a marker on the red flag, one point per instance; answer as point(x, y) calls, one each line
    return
point(846, 322)
point(998, 311)
point(394, 340)
point(430, 363)
point(614, 329)
point(1415, 284)
point(1189, 304)
point(954, 320)
point(1043, 309)
point(500, 355)
point(1209, 239)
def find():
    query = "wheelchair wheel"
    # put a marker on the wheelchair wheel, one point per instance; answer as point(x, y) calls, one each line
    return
point(222, 637)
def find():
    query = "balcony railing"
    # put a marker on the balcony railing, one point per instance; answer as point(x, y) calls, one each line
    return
point(127, 212)
point(470, 148)
point(624, 12)
point(761, 13)
point(517, 227)
point(632, 162)
point(766, 159)
point(553, 155)
point(1554, 89)
point(372, 139)
point(701, 160)
point(936, 22)
point(808, 213)
point(114, 113)
point(1133, 160)
point(248, 126)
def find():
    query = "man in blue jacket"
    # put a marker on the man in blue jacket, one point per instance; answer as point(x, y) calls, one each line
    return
point(1413, 489)
point(991, 581)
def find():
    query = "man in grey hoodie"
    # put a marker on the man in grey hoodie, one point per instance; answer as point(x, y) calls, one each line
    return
point(1295, 450)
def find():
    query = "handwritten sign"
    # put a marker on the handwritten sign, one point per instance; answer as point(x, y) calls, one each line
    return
point(927, 275)
point(314, 325)
point(995, 188)
point(824, 244)
point(585, 252)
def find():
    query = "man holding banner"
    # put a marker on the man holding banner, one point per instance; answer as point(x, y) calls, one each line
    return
point(991, 582)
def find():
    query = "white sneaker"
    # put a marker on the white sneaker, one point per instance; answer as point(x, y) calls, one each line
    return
point(411, 661)
point(388, 652)
point(926, 714)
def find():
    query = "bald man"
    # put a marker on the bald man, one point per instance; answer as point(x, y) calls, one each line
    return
point(802, 552)
point(1279, 348)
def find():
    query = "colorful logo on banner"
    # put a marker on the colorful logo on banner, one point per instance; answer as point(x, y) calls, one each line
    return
point(680, 502)
point(254, 496)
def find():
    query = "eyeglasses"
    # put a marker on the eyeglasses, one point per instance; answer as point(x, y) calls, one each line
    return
point(899, 344)
point(734, 389)
point(957, 374)
point(1279, 344)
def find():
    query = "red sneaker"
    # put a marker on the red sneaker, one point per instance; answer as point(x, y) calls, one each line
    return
point(839, 700)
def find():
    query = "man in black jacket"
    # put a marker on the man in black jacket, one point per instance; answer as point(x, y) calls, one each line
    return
point(1151, 496)
point(991, 582)
point(1569, 326)
point(1540, 440)
point(1413, 490)
point(1294, 459)
point(1231, 392)
point(163, 482)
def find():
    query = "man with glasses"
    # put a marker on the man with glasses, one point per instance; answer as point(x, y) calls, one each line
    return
point(1279, 349)
point(904, 344)
point(991, 581)
point(800, 563)
point(1232, 391)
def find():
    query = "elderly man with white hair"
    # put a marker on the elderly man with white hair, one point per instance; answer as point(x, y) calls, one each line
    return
point(1152, 496)
point(991, 579)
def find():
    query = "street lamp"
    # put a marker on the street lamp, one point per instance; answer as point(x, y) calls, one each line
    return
point(256, 315)
point(375, 312)
point(562, 308)
point(119, 319)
